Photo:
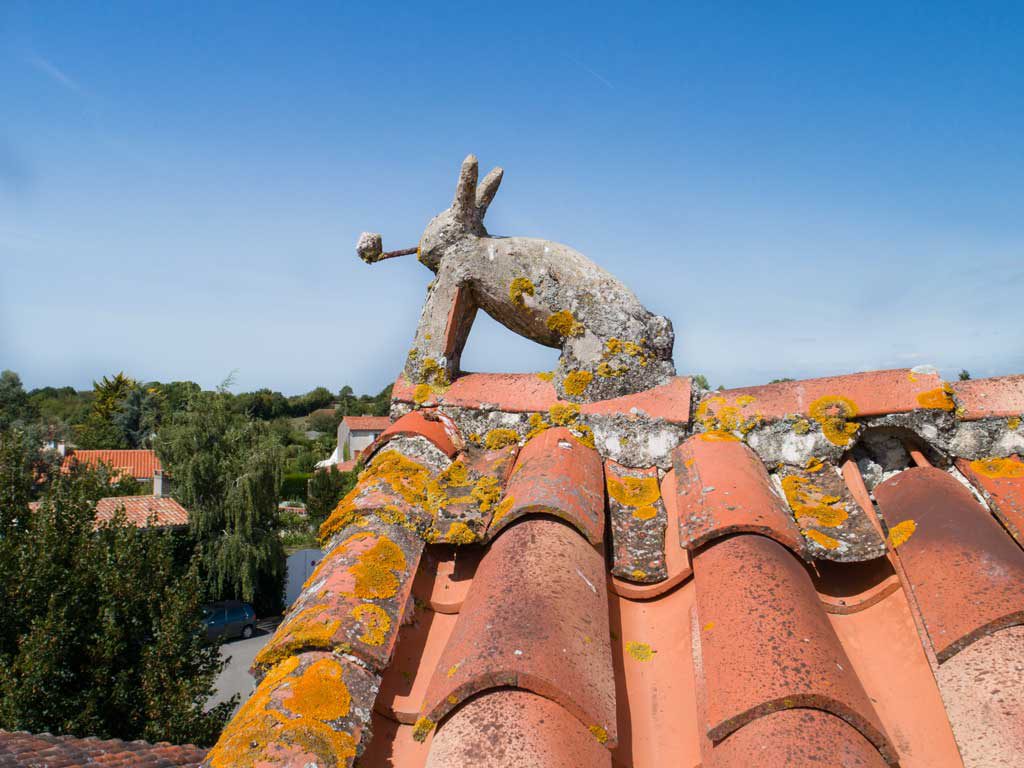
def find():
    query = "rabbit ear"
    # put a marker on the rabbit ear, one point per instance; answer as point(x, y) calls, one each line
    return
point(465, 191)
point(487, 189)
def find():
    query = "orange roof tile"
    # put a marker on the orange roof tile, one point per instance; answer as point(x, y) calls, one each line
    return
point(536, 645)
point(140, 464)
point(19, 749)
point(139, 509)
point(367, 423)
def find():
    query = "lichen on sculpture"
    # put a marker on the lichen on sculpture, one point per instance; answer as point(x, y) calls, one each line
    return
point(545, 291)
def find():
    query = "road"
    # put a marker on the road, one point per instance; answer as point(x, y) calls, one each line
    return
point(235, 677)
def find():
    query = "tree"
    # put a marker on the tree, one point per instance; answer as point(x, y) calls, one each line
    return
point(326, 488)
point(99, 627)
point(227, 473)
point(964, 374)
point(700, 380)
point(14, 401)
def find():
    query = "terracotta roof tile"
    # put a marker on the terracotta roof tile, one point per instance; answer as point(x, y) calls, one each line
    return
point(965, 571)
point(26, 750)
point(139, 509)
point(311, 708)
point(766, 644)
point(834, 524)
point(527, 648)
point(983, 687)
point(985, 398)
point(677, 558)
point(1001, 482)
point(891, 663)
point(140, 464)
point(536, 618)
point(795, 738)
point(723, 488)
point(514, 729)
point(354, 600)
point(437, 428)
point(555, 474)
point(638, 523)
point(367, 423)
point(874, 393)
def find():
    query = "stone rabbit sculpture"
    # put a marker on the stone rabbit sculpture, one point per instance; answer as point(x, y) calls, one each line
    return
point(546, 291)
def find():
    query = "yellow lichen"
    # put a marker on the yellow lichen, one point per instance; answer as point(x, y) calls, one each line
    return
point(459, 533)
point(455, 475)
point(576, 383)
point(709, 626)
point(421, 394)
point(310, 628)
point(453, 699)
point(807, 501)
point(716, 415)
point(392, 515)
point(563, 414)
point(503, 509)
point(824, 540)
point(640, 651)
point(584, 435)
point(320, 692)
point(833, 413)
point(486, 492)
point(375, 570)
point(634, 491)
point(744, 400)
point(422, 728)
point(452, 670)
point(537, 425)
point(801, 426)
point(814, 464)
point(474, 437)
point(564, 324)
point(645, 513)
point(376, 623)
point(940, 398)
point(1013, 422)
point(718, 435)
point(259, 727)
point(613, 346)
point(900, 532)
point(599, 733)
point(520, 286)
point(637, 574)
point(996, 467)
point(546, 375)
point(499, 438)
point(607, 371)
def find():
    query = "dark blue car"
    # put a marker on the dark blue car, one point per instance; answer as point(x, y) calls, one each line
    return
point(229, 618)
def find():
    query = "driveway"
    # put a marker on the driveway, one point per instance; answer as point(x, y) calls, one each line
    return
point(235, 677)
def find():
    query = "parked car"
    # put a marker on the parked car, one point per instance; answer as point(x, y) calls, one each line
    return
point(229, 618)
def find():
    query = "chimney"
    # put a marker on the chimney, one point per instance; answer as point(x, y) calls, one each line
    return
point(161, 485)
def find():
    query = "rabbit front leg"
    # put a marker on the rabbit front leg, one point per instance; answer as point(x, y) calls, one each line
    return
point(444, 326)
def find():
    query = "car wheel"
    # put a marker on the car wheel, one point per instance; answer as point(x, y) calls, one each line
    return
point(247, 631)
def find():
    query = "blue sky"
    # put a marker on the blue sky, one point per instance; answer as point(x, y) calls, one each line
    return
point(805, 189)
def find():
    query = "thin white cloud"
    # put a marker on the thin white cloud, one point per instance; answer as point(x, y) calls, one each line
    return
point(54, 72)
point(583, 66)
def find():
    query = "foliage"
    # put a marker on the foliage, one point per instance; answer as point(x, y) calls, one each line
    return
point(965, 375)
point(700, 380)
point(779, 381)
point(15, 406)
point(364, 405)
point(293, 486)
point(99, 628)
point(326, 488)
point(227, 473)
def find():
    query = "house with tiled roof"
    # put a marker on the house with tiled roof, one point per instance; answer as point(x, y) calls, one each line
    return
point(48, 751)
point(140, 464)
point(606, 565)
point(355, 435)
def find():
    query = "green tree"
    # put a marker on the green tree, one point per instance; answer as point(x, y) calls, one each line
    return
point(965, 375)
point(15, 405)
point(326, 488)
point(227, 472)
point(98, 626)
point(700, 380)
